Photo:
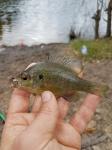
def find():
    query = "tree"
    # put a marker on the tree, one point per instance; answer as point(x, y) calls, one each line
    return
point(109, 19)
point(97, 17)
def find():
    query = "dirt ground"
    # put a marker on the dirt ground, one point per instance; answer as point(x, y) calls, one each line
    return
point(14, 59)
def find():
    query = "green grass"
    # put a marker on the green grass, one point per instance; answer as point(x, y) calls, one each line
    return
point(97, 49)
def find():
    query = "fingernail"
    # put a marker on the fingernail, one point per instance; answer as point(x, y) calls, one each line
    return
point(46, 96)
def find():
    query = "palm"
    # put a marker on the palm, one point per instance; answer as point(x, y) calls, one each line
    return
point(20, 123)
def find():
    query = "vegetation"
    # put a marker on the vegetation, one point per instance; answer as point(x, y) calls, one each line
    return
point(97, 49)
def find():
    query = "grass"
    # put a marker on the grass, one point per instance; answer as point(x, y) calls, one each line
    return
point(97, 49)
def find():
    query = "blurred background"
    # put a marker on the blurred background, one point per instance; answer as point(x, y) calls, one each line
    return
point(39, 21)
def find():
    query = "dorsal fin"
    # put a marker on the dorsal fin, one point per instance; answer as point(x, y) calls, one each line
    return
point(68, 58)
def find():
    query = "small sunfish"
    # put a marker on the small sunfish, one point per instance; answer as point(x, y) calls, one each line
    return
point(59, 79)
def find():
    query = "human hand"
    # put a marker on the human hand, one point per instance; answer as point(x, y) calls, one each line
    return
point(43, 128)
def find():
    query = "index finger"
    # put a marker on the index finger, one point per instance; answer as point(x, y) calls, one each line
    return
point(81, 119)
point(19, 102)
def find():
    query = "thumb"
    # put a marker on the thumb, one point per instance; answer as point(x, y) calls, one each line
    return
point(46, 119)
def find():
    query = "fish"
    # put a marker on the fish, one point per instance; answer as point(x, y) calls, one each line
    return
point(57, 78)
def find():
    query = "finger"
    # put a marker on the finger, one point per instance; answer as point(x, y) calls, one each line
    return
point(19, 101)
point(66, 134)
point(81, 119)
point(37, 104)
point(63, 106)
point(47, 117)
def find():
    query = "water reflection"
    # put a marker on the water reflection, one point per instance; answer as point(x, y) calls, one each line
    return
point(35, 22)
point(5, 19)
point(1, 30)
point(8, 11)
point(46, 21)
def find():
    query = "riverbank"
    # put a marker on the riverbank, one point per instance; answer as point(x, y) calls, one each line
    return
point(14, 59)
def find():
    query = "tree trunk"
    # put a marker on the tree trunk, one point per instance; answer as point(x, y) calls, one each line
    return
point(108, 33)
point(97, 29)
point(97, 18)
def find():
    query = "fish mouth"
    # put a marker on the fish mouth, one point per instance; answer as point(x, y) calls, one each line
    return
point(14, 82)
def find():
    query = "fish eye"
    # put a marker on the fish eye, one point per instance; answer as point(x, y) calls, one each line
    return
point(41, 76)
point(25, 76)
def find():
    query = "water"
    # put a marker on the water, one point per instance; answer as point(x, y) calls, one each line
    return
point(46, 21)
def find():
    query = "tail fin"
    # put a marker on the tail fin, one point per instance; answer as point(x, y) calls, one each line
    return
point(93, 88)
point(101, 90)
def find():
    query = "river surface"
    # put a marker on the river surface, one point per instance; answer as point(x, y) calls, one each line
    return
point(32, 22)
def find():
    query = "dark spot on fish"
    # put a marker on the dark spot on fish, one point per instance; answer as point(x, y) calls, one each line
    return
point(25, 76)
point(41, 76)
